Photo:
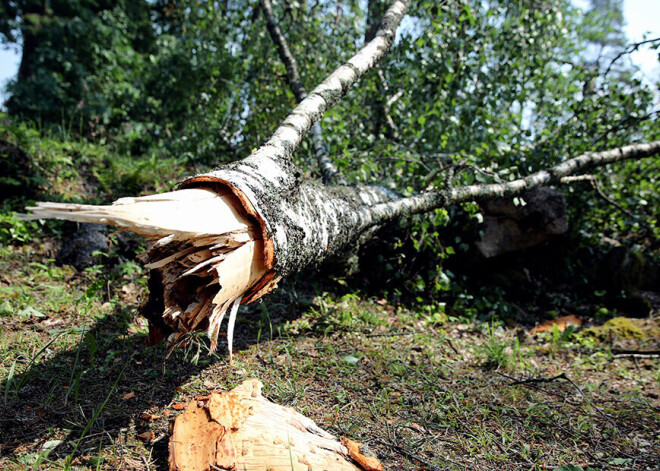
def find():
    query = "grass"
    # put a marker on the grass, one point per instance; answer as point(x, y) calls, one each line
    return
point(422, 395)
point(424, 389)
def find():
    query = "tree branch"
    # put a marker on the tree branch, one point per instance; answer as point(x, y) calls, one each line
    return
point(287, 137)
point(596, 186)
point(326, 166)
point(422, 203)
point(293, 76)
point(628, 50)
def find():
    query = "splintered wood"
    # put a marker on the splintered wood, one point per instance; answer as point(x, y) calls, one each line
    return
point(241, 430)
point(207, 253)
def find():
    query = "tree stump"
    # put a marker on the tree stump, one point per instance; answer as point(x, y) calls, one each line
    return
point(241, 430)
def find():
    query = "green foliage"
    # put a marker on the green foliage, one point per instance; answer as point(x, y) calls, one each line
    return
point(140, 93)
point(604, 23)
point(81, 63)
point(13, 229)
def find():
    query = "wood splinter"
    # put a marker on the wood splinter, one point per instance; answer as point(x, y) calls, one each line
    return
point(241, 430)
point(207, 253)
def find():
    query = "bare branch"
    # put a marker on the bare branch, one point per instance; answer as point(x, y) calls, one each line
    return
point(577, 178)
point(292, 73)
point(629, 50)
point(326, 166)
point(596, 186)
point(286, 138)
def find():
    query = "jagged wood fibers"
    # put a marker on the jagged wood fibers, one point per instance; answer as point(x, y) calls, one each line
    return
point(206, 252)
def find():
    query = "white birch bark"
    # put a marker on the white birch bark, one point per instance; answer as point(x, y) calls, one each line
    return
point(326, 166)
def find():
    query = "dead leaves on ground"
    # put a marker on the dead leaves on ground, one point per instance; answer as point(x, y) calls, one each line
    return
point(561, 322)
point(148, 435)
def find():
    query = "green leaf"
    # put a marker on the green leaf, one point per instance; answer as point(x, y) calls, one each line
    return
point(351, 359)
point(29, 311)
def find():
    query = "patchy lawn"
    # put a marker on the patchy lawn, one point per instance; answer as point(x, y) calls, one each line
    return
point(80, 390)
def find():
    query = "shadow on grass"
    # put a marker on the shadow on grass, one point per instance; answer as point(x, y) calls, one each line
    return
point(88, 386)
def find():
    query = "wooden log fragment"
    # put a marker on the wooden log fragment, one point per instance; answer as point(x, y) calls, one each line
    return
point(241, 430)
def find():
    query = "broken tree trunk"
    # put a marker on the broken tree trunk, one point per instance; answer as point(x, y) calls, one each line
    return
point(222, 240)
point(277, 224)
point(202, 241)
point(241, 430)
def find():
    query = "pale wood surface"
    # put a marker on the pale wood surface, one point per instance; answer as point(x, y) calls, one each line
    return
point(208, 253)
point(241, 430)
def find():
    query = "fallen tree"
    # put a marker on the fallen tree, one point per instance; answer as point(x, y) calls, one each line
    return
point(227, 236)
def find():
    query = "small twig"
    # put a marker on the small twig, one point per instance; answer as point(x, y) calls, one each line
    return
point(635, 353)
point(628, 50)
point(634, 358)
point(451, 345)
point(393, 334)
point(539, 380)
point(577, 178)
point(533, 386)
point(158, 438)
point(622, 122)
point(605, 416)
point(570, 381)
point(412, 456)
point(94, 435)
point(457, 168)
point(630, 214)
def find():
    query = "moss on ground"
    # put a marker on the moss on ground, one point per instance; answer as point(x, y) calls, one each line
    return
point(624, 328)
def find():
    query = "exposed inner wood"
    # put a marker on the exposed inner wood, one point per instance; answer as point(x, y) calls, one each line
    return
point(241, 430)
point(206, 251)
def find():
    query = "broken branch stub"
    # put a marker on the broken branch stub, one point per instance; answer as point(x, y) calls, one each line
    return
point(207, 253)
point(240, 429)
